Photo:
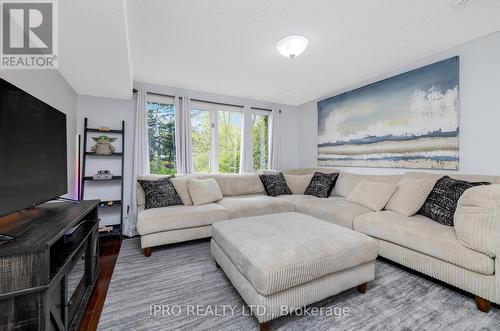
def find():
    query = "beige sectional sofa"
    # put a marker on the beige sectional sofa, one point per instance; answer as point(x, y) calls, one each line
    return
point(464, 255)
point(243, 194)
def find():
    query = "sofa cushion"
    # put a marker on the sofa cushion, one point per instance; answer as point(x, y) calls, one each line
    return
point(294, 198)
point(321, 184)
point(203, 191)
point(180, 184)
point(179, 217)
point(477, 219)
point(442, 201)
point(253, 205)
point(347, 181)
point(423, 235)
point(298, 183)
point(336, 210)
point(410, 196)
point(239, 184)
point(277, 252)
point(275, 184)
point(141, 199)
point(159, 193)
point(373, 195)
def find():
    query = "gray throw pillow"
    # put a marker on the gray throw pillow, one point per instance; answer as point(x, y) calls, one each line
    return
point(443, 199)
point(322, 184)
point(160, 193)
point(275, 184)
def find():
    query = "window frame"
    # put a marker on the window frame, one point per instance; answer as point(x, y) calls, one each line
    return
point(165, 100)
point(213, 108)
point(261, 112)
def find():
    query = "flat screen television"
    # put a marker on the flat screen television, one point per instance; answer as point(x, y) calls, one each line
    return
point(33, 160)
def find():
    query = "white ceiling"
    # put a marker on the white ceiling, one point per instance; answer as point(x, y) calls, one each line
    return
point(93, 47)
point(228, 46)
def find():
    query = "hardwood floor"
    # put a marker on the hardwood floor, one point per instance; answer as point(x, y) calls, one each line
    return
point(108, 253)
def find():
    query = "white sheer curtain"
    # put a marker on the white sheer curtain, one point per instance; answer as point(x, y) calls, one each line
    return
point(140, 161)
point(274, 144)
point(183, 151)
point(246, 157)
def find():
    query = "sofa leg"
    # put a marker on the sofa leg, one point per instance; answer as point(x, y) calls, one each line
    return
point(264, 326)
point(362, 288)
point(147, 251)
point(483, 304)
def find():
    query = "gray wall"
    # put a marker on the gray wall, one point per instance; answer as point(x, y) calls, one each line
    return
point(51, 87)
point(479, 109)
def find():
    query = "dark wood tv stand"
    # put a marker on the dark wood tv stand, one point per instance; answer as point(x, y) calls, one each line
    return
point(47, 273)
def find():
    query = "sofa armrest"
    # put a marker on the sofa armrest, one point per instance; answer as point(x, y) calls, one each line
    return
point(477, 219)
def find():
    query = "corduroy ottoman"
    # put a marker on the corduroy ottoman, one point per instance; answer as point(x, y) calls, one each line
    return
point(282, 262)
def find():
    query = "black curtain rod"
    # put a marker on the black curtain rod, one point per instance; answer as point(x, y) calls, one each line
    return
point(217, 103)
point(264, 109)
point(212, 102)
point(154, 93)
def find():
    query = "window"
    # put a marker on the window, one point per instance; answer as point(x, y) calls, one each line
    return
point(201, 139)
point(216, 137)
point(161, 134)
point(260, 140)
point(229, 135)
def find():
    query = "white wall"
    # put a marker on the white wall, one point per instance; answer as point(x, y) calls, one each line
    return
point(51, 87)
point(479, 109)
point(105, 112)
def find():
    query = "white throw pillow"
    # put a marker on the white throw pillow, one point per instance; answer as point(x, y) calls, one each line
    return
point(203, 191)
point(298, 183)
point(410, 196)
point(239, 184)
point(180, 185)
point(373, 195)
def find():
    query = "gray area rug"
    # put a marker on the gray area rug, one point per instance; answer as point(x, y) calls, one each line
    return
point(183, 281)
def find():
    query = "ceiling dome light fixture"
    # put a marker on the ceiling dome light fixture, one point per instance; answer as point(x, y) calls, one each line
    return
point(292, 46)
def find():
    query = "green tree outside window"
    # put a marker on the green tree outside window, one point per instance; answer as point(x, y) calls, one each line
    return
point(161, 133)
point(260, 142)
point(229, 144)
point(201, 132)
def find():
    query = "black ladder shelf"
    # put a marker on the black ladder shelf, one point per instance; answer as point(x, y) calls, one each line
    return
point(117, 228)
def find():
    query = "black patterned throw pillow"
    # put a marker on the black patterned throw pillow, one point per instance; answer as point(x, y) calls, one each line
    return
point(321, 184)
point(443, 199)
point(275, 184)
point(160, 193)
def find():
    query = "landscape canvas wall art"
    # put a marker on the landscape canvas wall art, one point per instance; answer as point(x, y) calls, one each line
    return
point(406, 121)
